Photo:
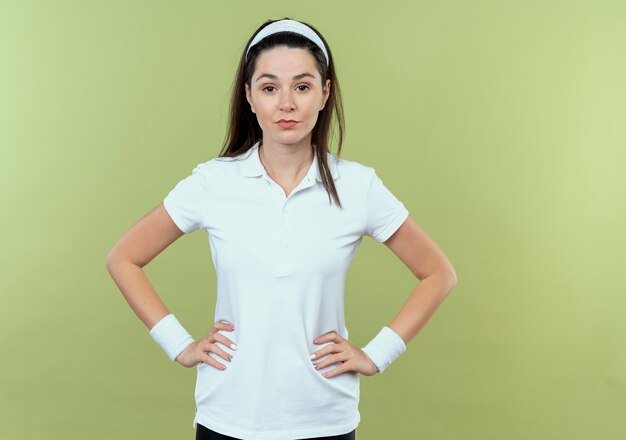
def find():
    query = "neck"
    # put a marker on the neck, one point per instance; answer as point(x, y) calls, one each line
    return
point(286, 162)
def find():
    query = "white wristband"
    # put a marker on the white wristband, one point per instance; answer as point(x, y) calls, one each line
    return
point(386, 346)
point(171, 336)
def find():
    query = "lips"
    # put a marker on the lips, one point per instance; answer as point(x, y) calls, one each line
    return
point(287, 123)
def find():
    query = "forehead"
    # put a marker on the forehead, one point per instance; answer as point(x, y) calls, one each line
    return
point(285, 61)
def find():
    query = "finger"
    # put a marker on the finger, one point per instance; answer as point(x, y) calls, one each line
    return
point(212, 362)
point(325, 350)
point(328, 337)
point(318, 356)
point(226, 341)
point(318, 339)
point(214, 348)
point(224, 326)
point(219, 326)
point(330, 360)
point(321, 339)
point(334, 372)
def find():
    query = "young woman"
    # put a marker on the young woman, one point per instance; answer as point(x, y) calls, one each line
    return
point(284, 219)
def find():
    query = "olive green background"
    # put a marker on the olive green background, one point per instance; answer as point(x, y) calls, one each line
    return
point(499, 124)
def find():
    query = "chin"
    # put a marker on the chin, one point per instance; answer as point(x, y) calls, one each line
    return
point(289, 140)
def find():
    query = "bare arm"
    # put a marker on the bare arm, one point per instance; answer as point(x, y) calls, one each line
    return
point(419, 252)
point(136, 248)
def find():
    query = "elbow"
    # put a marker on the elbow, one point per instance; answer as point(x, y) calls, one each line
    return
point(117, 261)
point(109, 262)
point(452, 279)
point(445, 279)
point(448, 279)
point(116, 257)
point(112, 261)
point(452, 276)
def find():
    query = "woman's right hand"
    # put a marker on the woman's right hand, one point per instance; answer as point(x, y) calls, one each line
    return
point(197, 352)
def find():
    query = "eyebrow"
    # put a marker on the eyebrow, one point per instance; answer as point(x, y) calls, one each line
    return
point(296, 77)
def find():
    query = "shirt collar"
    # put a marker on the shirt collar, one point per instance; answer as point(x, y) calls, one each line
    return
point(250, 165)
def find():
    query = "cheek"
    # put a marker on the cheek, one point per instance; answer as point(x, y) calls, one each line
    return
point(264, 116)
point(313, 114)
point(264, 109)
point(261, 120)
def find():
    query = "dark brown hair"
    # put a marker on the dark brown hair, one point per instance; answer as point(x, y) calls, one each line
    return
point(243, 128)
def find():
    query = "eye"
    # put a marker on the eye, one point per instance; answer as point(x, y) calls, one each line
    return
point(303, 85)
point(268, 87)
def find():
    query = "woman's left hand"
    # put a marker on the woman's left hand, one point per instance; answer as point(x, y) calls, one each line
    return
point(344, 351)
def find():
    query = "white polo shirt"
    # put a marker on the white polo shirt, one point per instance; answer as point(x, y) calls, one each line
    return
point(281, 265)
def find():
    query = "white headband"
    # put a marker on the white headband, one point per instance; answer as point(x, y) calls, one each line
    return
point(289, 26)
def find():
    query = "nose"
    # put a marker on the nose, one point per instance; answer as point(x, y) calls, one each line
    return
point(286, 102)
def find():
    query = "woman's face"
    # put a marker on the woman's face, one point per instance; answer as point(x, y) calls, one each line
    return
point(286, 86)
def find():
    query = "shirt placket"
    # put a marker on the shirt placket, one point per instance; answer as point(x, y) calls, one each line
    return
point(283, 232)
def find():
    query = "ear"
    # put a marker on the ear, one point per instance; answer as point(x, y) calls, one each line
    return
point(326, 94)
point(249, 98)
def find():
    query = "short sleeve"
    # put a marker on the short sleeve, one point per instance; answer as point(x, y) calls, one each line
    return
point(186, 202)
point(385, 213)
